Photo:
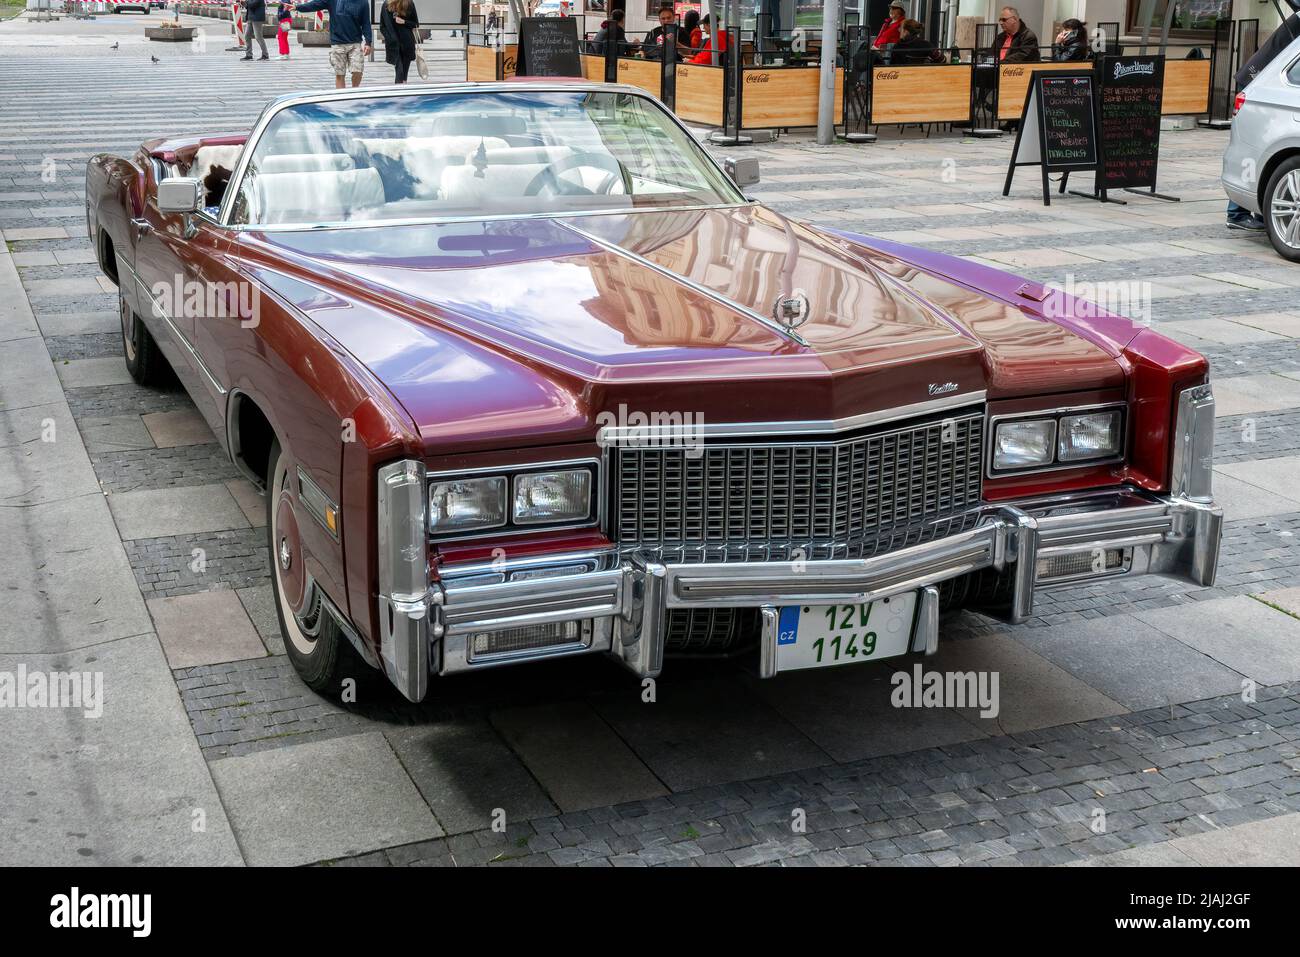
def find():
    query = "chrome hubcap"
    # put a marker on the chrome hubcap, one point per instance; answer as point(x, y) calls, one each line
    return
point(1284, 209)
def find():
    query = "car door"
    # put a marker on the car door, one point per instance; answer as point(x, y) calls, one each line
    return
point(174, 257)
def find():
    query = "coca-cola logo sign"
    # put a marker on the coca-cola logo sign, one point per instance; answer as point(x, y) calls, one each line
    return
point(1014, 71)
point(508, 66)
point(887, 75)
point(757, 77)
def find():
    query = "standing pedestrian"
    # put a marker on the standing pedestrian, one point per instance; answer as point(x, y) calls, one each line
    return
point(351, 39)
point(254, 17)
point(398, 23)
point(284, 23)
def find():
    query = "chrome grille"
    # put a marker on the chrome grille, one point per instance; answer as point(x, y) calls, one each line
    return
point(841, 498)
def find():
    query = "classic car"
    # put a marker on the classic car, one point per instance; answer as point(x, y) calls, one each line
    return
point(524, 374)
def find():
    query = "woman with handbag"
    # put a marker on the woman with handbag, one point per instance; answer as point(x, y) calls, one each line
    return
point(398, 23)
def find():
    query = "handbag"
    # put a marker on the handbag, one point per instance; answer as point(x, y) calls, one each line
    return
point(421, 65)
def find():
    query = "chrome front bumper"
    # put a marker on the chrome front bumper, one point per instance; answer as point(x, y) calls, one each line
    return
point(625, 603)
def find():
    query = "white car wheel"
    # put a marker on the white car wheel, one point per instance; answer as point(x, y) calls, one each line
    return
point(1282, 209)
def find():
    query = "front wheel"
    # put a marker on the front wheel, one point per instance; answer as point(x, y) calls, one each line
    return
point(1282, 209)
point(317, 648)
point(144, 361)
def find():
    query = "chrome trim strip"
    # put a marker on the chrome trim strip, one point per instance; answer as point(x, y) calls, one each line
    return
point(611, 435)
point(700, 288)
point(179, 336)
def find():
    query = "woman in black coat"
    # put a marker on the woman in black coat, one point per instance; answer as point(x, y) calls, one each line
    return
point(398, 24)
point(1071, 43)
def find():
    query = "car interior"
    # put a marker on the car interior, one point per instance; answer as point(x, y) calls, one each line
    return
point(462, 164)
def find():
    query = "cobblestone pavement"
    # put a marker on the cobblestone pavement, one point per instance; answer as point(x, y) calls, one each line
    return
point(1124, 698)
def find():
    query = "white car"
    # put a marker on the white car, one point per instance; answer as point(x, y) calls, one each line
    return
point(1261, 168)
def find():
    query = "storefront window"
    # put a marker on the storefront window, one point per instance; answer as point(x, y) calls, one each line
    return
point(1190, 16)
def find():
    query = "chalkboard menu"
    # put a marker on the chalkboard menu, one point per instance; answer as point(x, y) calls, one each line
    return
point(548, 46)
point(1128, 120)
point(1068, 132)
point(1057, 128)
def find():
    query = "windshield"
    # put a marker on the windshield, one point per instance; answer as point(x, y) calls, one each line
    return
point(473, 154)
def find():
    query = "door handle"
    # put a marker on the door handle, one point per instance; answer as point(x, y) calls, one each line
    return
point(142, 226)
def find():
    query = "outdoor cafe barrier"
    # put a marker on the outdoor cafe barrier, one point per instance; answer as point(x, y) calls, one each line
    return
point(968, 88)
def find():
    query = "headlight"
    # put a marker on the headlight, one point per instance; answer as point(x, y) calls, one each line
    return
point(1095, 435)
point(1024, 443)
point(546, 497)
point(467, 504)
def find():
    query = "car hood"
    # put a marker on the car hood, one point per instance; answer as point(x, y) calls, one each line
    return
point(504, 327)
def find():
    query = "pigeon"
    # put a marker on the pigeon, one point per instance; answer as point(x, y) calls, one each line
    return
point(113, 47)
point(154, 58)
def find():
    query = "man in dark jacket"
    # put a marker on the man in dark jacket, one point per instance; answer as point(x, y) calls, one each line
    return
point(667, 31)
point(351, 39)
point(254, 17)
point(1016, 43)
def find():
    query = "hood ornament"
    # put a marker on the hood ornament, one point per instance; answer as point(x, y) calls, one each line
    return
point(792, 311)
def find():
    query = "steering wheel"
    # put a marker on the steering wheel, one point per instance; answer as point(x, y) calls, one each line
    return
point(550, 176)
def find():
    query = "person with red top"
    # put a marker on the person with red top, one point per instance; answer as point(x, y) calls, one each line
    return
point(706, 51)
point(891, 32)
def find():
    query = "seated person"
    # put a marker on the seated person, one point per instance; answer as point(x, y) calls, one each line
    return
point(912, 46)
point(1071, 43)
point(614, 24)
point(706, 51)
point(653, 46)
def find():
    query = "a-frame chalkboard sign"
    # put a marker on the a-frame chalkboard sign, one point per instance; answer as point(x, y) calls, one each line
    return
point(1057, 131)
point(548, 46)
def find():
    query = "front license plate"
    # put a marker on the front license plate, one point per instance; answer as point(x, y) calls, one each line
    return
point(818, 636)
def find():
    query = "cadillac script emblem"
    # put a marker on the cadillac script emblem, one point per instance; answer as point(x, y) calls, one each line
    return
point(942, 388)
point(792, 310)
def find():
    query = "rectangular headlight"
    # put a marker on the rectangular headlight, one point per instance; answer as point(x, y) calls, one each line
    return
point(467, 504)
point(1093, 435)
point(1024, 443)
point(546, 497)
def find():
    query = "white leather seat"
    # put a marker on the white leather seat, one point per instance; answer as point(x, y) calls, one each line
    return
point(424, 157)
point(317, 196)
point(306, 162)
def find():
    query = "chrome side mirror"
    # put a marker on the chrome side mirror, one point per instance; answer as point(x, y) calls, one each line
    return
point(181, 194)
point(743, 172)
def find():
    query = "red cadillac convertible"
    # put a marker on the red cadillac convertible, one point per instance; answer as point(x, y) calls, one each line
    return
point(524, 374)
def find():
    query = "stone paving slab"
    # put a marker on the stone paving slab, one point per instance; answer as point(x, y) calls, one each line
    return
point(1244, 634)
point(847, 712)
point(1274, 842)
point(1132, 662)
point(1032, 692)
point(576, 756)
point(708, 731)
point(1276, 476)
point(205, 628)
point(315, 801)
point(125, 787)
point(467, 774)
point(156, 513)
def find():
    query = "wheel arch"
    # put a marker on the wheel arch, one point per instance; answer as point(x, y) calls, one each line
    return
point(1290, 151)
